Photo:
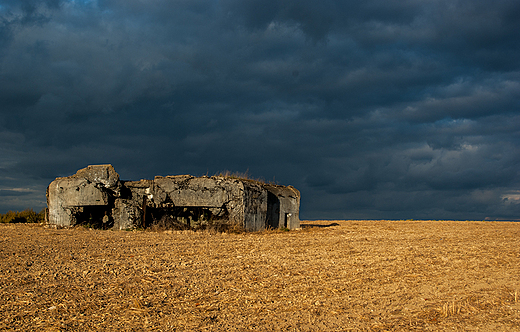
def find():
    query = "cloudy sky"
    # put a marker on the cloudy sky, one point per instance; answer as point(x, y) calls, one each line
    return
point(372, 109)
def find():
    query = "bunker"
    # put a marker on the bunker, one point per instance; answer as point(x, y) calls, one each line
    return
point(96, 196)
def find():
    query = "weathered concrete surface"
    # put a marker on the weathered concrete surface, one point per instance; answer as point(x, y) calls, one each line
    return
point(127, 214)
point(283, 207)
point(194, 201)
point(192, 191)
point(104, 176)
point(241, 202)
point(91, 186)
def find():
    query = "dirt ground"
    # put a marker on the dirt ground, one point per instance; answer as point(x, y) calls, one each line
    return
point(329, 276)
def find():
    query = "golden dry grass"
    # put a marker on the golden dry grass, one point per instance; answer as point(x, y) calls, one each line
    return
point(330, 276)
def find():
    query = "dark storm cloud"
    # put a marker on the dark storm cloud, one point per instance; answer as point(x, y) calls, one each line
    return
point(373, 109)
point(13, 193)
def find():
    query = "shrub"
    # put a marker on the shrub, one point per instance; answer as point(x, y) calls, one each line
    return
point(26, 216)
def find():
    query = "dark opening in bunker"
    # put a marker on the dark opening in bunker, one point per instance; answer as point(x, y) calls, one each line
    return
point(92, 216)
point(273, 210)
point(183, 217)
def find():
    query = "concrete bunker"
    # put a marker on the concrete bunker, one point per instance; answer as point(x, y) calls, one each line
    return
point(283, 207)
point(96, 196)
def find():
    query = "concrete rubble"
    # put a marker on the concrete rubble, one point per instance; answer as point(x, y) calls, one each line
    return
point(95, 196)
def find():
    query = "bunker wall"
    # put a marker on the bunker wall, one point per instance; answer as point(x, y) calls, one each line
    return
point(95, 193)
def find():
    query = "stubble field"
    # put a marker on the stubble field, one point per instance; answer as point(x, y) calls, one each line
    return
point(329, 276)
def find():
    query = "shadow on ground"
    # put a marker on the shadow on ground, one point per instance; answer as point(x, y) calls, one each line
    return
point(319, 225)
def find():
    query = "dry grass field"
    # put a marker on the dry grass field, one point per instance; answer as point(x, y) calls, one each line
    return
point(329, 276)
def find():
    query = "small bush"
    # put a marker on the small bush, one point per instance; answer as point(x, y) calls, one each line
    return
point(244, 177)
point(26, 216)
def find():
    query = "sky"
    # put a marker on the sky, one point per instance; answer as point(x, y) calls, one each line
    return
point(373, 109)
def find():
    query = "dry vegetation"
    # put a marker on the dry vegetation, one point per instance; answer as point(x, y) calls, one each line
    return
point(348, 276)
point(24, 216)
point(245, 177)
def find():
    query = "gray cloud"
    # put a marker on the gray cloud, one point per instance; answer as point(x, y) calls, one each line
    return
point(373, 109)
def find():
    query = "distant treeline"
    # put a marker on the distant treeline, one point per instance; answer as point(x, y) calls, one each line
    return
point(27, 215)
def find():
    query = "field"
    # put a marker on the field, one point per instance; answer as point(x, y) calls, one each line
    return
point(329, 276)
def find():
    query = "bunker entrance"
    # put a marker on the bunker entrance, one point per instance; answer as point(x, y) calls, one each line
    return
point(92, 216)
point(273, 210)
point(182, 217)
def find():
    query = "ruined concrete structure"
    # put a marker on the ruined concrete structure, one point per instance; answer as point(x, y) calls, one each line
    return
point(95, 195)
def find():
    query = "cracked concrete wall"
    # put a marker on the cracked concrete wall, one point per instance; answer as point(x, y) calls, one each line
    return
point(245, 203)
point(126, 214)
point(91, 186)
point(254, 207)
point(187, 190)
point(97, 190)
point(284, 207)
